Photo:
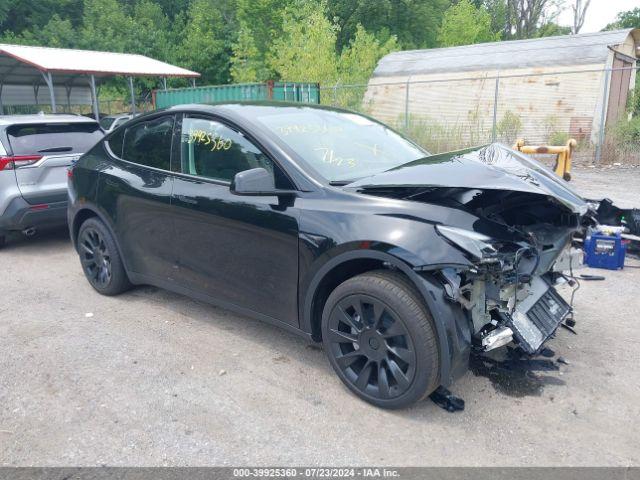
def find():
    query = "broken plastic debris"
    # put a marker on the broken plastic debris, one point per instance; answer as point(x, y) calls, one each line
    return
point(222, 372)
point(562, 360)
point(547, 352)
point(88, 315)
point(445, 399)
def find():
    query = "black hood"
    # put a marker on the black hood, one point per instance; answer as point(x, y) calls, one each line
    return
point(492, 167)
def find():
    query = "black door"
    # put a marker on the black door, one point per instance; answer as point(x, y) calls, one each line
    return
point(135, 190)
point(241, 250)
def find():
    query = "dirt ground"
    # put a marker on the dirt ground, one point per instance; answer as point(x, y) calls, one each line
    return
point(154, 378)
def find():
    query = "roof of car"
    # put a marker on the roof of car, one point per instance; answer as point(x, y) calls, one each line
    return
point(245, 107)
point(117, 115)
point(43, 118)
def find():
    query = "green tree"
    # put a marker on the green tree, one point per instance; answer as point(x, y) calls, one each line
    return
point(260, 21)
point(627, 19)
point(414, 22)
point(306, 50)
point(497, 10)
point(465, 24)
point(204, 47)
point(105, 26)
point(151, 31)
point(247, 62)
point(552, 29)
point(18, 16)
point(360, 58)
point(56, 33)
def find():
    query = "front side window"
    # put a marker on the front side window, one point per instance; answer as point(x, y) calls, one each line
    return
point(213, 150)
point(149, 142)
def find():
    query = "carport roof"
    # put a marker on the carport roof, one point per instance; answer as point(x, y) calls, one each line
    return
point(20, 64)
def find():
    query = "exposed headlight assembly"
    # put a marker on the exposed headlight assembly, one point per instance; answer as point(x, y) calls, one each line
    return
point(474, 243)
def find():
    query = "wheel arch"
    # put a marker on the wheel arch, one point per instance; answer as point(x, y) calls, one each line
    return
point(452, 351)
point(82, 215)
point(79, 218)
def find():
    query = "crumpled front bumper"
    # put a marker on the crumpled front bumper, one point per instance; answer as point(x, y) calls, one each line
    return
point(537, 317)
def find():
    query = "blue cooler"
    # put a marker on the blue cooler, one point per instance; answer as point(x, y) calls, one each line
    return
point(604, 251)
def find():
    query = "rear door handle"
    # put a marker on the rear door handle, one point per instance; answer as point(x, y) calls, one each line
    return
point(185, 199)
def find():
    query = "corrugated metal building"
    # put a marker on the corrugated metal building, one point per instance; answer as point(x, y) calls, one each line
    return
point(546, 85)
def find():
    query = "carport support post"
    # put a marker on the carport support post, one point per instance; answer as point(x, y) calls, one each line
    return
point(49, 81)
point(1, 106)
point(68, 88)
point(36, 89)
point(133, 96)
point(94, 98)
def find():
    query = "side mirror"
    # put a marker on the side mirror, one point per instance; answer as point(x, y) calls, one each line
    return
point(256, 181)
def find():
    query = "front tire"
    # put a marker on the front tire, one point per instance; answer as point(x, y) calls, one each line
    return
point(100, 258)
point(381, 340)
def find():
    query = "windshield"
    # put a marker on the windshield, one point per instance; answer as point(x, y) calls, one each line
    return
point(341, 146)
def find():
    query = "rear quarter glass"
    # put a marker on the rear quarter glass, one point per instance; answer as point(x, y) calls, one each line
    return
point(53, 138)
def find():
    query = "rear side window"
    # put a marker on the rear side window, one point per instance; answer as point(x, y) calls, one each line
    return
point(106, 122)
point(115, 143)
point(149, 143)
point(53, 138)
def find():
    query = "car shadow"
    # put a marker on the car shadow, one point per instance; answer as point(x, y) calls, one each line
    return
point(509, 378)
point(42, 238)
point(288, 349)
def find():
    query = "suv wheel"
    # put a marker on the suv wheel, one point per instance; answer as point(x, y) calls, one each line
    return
point(380, 339)
point(100, 258)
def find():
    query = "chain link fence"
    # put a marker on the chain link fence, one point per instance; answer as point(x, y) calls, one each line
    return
point(450, 113)
point(106, 107)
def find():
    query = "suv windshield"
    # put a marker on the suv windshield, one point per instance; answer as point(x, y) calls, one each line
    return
point(52, 138)
point(341, 146)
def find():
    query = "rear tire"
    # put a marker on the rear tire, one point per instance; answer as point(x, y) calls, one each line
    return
point(3, 241)
point(381, 340)
point(100, 258)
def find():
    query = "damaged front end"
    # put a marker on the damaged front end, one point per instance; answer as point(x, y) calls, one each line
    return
point(509, 294)
point(521, 241)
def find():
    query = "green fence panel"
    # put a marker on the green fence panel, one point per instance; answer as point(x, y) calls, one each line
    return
point(277, 91)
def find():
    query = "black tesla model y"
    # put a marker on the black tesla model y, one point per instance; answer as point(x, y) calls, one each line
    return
point(330, 224)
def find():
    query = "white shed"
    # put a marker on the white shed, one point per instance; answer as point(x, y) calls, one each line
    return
point(538, 89)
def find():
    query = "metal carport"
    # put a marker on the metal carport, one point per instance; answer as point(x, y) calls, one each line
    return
point(50, 67)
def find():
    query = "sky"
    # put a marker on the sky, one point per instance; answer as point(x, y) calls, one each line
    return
point(599, 14)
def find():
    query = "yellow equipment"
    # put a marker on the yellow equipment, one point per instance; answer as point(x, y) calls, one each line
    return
point(563, 160)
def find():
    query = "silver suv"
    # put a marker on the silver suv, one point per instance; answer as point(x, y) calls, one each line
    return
point(35, 152)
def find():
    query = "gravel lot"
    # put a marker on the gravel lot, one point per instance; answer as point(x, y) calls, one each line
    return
point(153, 378)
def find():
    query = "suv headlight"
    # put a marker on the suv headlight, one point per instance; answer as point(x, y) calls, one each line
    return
point(475, 243)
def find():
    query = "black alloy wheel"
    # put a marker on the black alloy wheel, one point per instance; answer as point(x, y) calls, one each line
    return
point(100, 258)
point(372, 346)
point(380, 339)
point(95, 257)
